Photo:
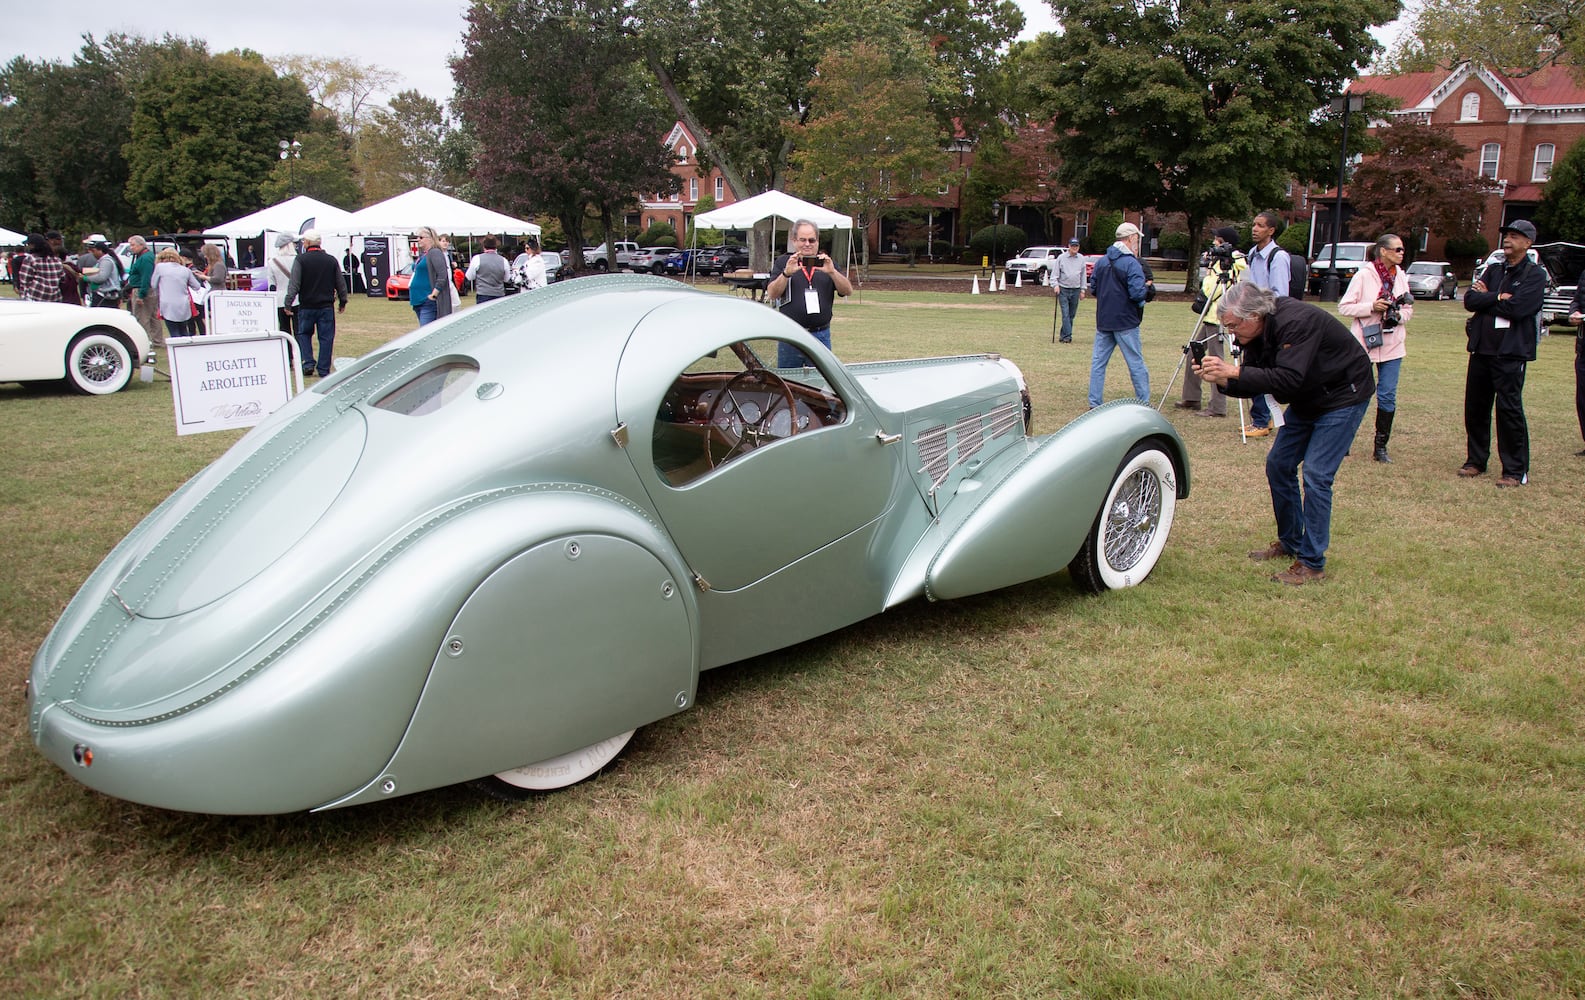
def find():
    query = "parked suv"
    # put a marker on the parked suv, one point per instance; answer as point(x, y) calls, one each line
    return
point(1350, 257)
point(1036, 262)
point(721, 259)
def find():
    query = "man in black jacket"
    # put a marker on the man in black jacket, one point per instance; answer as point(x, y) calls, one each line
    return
point(1303, 357)
point(1503, 302)
point(315, 284)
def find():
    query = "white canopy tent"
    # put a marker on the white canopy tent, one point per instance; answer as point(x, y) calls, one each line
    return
point(11, 238)
point(771, 205)
point(421, 207)
point(774, 205)
point(291, 216)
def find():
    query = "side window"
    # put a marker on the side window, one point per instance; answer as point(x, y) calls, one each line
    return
point(735, 400)
point(1489, 156)
point(1543, 162)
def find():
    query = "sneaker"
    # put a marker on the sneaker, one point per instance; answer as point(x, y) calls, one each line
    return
point(1298, 575)
point(1272, 551)
point(1468, 471)
point(1257, 432)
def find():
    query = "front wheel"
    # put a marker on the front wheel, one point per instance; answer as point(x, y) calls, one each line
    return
point(557, 772)
point(98, 363)
point(1132, 527)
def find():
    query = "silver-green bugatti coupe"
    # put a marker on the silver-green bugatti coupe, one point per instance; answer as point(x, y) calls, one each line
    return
point(492, 549)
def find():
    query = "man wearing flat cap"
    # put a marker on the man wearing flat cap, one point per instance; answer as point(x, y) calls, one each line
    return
point(1503, 302)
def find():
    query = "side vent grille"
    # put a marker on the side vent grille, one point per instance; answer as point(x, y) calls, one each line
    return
point(1007, 417)
point(933, 454)
point(971, 436)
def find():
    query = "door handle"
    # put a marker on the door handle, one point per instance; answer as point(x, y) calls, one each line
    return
point(885, 438)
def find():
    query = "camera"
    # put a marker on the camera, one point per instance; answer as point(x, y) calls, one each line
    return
point(811, 261)
point(1197, 348)
point(1394, 314)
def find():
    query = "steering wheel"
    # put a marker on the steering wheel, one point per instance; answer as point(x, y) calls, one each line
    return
point(741, 422)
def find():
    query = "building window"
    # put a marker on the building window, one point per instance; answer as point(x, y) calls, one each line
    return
point(1470, 110)
point(1081, 224)
point(1543, 162)
point(1425, 240)
point(1489, 155)
point(693, 189)
point(720, 189)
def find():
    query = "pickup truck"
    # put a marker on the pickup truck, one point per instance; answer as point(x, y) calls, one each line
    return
point(600, 260)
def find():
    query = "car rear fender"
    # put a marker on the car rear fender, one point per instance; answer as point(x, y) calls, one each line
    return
point(585, 632)
point(1031, 521)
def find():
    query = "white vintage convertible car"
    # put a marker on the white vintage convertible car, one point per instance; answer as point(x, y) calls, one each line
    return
point(93, 350)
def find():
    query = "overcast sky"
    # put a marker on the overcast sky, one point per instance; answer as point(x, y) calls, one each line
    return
point(413, 38)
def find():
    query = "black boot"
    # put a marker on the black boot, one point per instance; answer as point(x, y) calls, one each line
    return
point(1383, 432)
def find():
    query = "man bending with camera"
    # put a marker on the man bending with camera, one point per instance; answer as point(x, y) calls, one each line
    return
point(1309, 361)
point(804, 288)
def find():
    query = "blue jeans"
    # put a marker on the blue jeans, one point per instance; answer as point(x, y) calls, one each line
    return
point(1070, 306)
point(181, 328)
point(425, 311)
point(309, 322)
point(1304, 523)
point(1387, 385)
point(789, 356)
point(1260, 414)
point(1126, 341)
point(480, 300)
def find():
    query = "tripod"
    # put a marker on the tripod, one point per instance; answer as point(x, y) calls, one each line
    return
point(1212, 331)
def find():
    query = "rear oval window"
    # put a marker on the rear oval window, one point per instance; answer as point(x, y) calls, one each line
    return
point(430, 390)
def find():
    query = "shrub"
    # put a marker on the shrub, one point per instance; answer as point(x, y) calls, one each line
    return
point(999, 243)
point(661, 234)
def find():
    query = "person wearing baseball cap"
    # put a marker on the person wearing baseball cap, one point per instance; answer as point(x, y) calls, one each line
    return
point(1504, 303)
point(1069, 279)
point(1118, 284)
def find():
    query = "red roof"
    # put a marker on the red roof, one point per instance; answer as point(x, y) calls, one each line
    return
point(1554, 86)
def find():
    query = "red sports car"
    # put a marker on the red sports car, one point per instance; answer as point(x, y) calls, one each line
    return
point(396, 284)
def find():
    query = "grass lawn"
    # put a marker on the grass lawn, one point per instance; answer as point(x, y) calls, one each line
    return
point(1205, 786)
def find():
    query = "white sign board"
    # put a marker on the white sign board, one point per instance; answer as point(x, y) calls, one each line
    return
point(251, 313)
point(228, 381)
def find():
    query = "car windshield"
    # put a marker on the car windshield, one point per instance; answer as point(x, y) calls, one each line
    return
point(1344, 252)
point(1425, 267)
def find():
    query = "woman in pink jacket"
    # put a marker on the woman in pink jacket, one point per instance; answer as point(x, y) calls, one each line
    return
point(1379, 301)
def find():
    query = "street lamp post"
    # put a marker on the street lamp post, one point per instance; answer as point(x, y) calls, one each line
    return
point(291, 152)
point(1347, 104)
point(996, 222)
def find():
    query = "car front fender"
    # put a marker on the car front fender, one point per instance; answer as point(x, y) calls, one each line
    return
point(1034, 518)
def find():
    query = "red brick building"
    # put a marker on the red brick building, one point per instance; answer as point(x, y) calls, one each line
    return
point(1515, 128)
point(678, 209)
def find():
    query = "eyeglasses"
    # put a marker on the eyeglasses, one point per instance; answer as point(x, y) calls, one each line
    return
point(1394, 249)
point(808, 239)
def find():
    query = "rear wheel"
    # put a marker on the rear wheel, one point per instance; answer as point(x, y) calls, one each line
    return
point(557, 772)
point(1131, 529)
point(98, 363)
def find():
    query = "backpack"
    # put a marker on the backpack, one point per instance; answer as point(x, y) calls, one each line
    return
point(1298, 274)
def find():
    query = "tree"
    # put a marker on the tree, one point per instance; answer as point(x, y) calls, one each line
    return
point(1205, 109)
point(742, 92)
point(203, 137)
point(870, 138)
point(1561, 214)
point(322, 168)
point(344, 88)
point(1417, 182)
point(578, 135)
point(403, 145)
point(62, 128)
point(1513, 36)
